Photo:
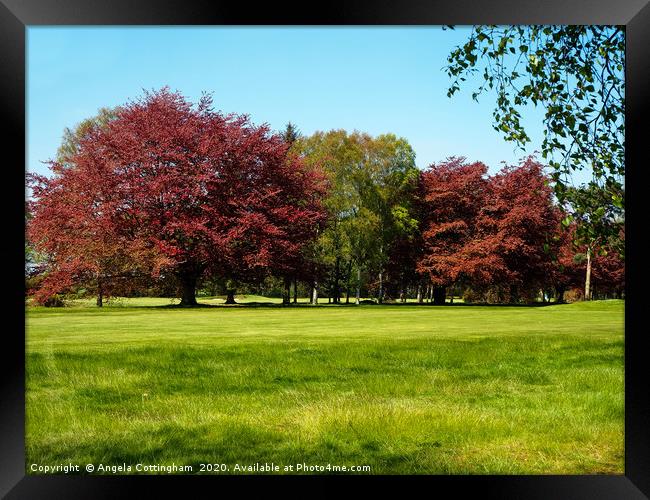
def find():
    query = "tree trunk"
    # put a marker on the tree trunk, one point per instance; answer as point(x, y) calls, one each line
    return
point(380, 297)
point(419, 297)
point(188, 288)
point(230, 299)
point(588, 276)
point(337, 277)
point(560, 295)
point(514, 294)
point(358, 298)
point(314, 293)
point(100, 295)
point(439, 294)
point(286, 296)
point(347, 282)
point(295, 290)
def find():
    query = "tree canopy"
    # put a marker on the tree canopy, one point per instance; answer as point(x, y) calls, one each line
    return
point(488, 231)
point(576, 73)
point(168, 187)
point(369, 200)
point(160, 192)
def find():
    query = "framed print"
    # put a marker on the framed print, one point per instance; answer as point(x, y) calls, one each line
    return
point(381, 243)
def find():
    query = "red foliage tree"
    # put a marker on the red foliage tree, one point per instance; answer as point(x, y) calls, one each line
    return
point(608, 267)
point(77, 228)
point(176, 188)
point(517, 225)
point(401, 268)
point(451, 196)
point(488, 232)
point(609, 274)
point(567, 271)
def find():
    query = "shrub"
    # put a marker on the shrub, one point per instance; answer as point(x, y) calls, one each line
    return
point(574, 295)
point(54, 301)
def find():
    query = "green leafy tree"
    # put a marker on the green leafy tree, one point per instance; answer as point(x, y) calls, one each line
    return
point(72, 136)
point(362, 231)
point(576, 73)
point(370, 180)
point(391, 179)
point(599, 223)
point(337, 154)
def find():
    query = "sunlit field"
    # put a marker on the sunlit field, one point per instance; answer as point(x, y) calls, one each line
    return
point(404, 389)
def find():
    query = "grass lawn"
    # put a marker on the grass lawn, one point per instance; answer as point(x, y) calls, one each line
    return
point(403, 389)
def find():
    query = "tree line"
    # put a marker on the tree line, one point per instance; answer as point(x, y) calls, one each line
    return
point(162, 195)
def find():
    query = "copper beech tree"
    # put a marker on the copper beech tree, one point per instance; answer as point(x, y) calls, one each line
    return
point(174, 188)
point(451, 196)
point(493, 232)
point(520, 223)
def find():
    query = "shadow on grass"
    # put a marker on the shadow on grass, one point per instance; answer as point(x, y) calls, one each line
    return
point(333, 305)
point(232, 443)
point(275, 305)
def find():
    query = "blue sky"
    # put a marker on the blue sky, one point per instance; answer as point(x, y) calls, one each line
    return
point(372, 79)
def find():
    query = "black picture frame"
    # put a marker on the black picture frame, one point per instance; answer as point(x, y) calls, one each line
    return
point(16, 15)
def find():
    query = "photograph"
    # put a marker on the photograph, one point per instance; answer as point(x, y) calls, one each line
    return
point(325, 250)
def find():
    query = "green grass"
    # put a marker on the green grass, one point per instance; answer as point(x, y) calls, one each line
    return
point(404, 389)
